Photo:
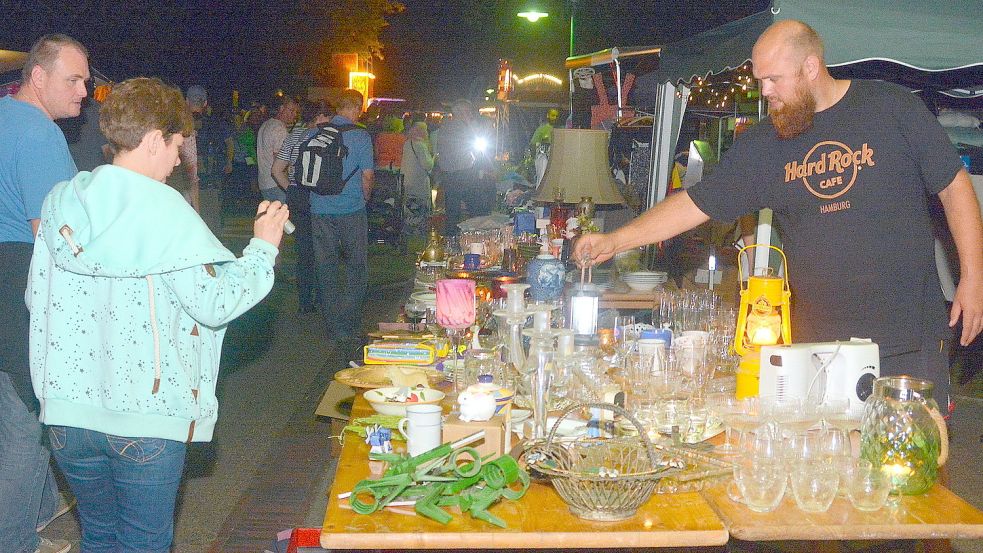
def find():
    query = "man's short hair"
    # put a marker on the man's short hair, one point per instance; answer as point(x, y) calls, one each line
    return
point(141, 105)
point(279, 101)
point(349, 98)
point(311, 110)
point(45, 52)
point(197, 96)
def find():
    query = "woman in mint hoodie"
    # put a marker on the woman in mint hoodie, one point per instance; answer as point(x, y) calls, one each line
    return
point(130, 296)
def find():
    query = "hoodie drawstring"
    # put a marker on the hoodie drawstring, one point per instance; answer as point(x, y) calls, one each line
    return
point(156, 333)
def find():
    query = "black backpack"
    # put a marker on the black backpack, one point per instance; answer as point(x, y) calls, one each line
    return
point(318, 168)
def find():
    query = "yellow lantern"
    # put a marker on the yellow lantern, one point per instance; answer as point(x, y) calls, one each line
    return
point(762, 320)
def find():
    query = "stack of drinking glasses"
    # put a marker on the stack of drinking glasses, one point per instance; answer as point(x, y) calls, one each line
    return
point(795, 447)
point(686, 310)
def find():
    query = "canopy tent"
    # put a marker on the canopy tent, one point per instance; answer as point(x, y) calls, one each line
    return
point(922, 45)
point(11, 60)
point(614, 57)
point(934, 45)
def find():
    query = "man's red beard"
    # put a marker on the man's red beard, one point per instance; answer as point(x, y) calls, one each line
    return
point(795, 116)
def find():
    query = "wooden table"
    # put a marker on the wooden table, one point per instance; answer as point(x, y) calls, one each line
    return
point(628, 300)
point(539, 520)
point(934, 515)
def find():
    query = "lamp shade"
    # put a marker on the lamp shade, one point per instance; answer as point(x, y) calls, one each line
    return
point(578, 167)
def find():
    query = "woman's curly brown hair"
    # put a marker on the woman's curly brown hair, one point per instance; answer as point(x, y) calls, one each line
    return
point(141, 105)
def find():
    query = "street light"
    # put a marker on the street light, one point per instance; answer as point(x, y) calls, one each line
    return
point(533, 15)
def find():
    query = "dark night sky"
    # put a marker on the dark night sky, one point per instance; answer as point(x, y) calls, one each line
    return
point(435, 50)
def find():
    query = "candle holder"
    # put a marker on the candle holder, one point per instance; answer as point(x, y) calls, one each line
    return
point(511, 319)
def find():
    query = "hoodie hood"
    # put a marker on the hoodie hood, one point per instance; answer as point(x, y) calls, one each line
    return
point(114, 222)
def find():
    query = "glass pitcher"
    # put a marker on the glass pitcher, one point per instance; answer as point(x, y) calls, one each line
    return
point(902, 433)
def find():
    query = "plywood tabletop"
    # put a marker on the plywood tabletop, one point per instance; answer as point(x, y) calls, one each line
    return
point(539, 520)
point(934, 515)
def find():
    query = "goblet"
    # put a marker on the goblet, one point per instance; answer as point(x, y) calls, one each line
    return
point(724, 405)
point(455, 311)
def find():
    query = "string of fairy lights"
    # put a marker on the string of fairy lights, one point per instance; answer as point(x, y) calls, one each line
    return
point(720, 91)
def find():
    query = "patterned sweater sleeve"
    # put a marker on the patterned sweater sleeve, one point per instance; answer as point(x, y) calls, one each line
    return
point(214, 295)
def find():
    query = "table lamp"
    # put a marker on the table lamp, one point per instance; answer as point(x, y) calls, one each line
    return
point(578, 170)
point(762, 320)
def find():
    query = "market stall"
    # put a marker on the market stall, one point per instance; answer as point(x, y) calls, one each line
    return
point(502, 414)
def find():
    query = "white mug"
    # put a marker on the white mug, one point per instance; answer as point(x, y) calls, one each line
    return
point(422, 428)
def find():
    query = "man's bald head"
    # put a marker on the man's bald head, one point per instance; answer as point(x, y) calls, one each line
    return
point(793, 38)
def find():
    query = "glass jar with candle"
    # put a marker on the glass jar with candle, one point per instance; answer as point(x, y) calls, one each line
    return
point(902, 433)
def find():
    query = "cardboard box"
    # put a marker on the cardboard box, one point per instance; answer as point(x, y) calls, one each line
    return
point(494, 441)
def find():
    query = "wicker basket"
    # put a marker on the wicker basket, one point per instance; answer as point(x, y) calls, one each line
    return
point(600, 479)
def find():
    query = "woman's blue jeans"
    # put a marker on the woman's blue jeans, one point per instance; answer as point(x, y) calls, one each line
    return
point(126, 487)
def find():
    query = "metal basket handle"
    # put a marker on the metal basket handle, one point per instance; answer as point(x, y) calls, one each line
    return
point(649, 448)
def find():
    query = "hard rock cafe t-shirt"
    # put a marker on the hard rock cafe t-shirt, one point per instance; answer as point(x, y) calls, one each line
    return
point(850, 198)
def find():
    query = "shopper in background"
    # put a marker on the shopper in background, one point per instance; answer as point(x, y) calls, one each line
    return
point(417, 166)
point(34, 156)
point(314, 114)
point(269, 140)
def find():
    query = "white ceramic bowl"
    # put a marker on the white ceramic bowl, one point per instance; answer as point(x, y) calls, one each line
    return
point(426, 298)
point(645, 275)
point(377, 398)
point(643, 286)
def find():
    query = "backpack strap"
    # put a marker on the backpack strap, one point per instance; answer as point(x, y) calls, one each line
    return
point(341, 130)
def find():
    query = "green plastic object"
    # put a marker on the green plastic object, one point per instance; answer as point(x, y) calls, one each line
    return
point(435, 479)
point(427, 505)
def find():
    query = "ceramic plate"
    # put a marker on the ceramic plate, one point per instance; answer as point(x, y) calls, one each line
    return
point(519, 415)
point(376, 376)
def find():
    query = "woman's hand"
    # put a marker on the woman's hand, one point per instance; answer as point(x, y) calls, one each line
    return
point(270, 217)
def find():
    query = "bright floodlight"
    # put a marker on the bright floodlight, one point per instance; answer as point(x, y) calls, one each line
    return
point(480, 144)
point(533, 16)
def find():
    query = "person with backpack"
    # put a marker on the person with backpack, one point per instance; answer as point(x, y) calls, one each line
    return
point(315, 116)
point(338, 219)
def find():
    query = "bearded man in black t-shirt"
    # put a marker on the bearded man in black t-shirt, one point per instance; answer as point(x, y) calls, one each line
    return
point(847, 167)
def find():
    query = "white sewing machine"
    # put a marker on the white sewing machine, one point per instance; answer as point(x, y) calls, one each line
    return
point(821, 371)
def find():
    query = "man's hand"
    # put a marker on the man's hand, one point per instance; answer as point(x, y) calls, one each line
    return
point(968, 304)
point(594, 248)
point(270, 217)
point(962, 211)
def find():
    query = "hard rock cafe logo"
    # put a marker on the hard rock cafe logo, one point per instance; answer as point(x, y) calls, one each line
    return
point(830, 168)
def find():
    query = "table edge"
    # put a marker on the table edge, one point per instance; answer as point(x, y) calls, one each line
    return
point(510, 540)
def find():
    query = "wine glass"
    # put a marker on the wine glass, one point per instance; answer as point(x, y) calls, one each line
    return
point(724, 405)
point(744, 418)
point(415, 311)
point(790, 414)
point(836, 413)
